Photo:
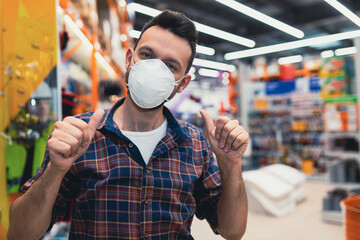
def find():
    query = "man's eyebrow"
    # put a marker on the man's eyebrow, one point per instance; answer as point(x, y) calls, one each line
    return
point(146, 48)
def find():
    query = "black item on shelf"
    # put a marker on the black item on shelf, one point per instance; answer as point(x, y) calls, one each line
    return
point(347, 144)
point(332, 201)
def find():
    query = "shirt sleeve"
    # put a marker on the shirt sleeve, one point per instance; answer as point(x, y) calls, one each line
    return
point(63, 203)
point(208, 190)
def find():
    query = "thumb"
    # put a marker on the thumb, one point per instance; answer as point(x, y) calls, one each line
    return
point(94, 121)
point(209, 123)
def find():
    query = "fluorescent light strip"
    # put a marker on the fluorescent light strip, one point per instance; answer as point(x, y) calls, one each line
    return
point(105, 64)
point(224, 35)
point(327, 54)
point(214, 65)
point(208, 72)
point(88, 44)
point(345, 11)
point(135, 7)
point(78, 32)
point(205, 50)
point(345, 51)
point(290, 59)
point(291, 45)
point(134, 33)
point(199, 49)
point(263, 18)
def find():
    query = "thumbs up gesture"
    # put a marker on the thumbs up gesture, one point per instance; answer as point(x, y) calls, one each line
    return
point(228, 140)
point(70, 139)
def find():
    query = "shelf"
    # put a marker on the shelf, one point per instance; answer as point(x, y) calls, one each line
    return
point(332, 217)
point(346, 185)
point(342, 154)
point(343, 134)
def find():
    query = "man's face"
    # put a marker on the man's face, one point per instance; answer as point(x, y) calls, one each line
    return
point(159, 43)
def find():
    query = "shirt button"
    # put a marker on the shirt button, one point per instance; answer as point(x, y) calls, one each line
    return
point(145, 236)
point(146, 201)
point(147, 171)
point(131, 145)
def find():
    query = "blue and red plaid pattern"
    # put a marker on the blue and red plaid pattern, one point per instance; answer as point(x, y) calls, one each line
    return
point(115, 195)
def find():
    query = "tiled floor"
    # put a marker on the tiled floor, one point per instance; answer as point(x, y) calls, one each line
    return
point(305, 223)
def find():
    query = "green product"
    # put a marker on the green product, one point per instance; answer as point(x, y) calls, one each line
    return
point(16, 156)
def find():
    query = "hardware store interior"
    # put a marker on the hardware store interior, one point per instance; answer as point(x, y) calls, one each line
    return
point(287, 70)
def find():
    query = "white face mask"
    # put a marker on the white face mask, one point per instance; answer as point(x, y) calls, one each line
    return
point(151, 83)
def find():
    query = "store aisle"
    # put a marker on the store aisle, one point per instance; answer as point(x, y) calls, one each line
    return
point(305, 223)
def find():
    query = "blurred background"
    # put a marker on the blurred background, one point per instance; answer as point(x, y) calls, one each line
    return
point(288, 70)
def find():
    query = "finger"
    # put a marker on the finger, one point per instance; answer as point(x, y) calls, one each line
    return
point(59, 148)
point(209, 123)
point(220, 123)
point(74, 127)
point(227, 128)
point(94, 121)
point(242, 139)
point(73, 143)
point(231, 137)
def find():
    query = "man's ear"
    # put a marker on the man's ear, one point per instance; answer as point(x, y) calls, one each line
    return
point(184, 83)
point(128, 57)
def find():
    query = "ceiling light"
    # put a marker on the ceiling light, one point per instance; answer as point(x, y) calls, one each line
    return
point(226, 81)
point(122, 3)
point(135, 7)
point(208, 72)
point(199, 49)
point(123, 37)
point(105, 64)
point(88, 44)
point(192, 70)
point(327, 54)
point(263, 18)
point(345, 11)
point(70, 23)
point(214, 65)
point(134, 33)
point(292, 45)
point(290, 59)
point(345, 51)
point(224, 35)
point(205, 50)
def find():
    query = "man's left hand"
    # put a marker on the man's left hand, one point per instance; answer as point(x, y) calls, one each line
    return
point(228, 140)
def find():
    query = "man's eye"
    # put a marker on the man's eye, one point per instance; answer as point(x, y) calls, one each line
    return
point(171, 67)
point(145, 55)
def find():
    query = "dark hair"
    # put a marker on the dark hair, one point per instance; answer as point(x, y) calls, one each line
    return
point(178, 24)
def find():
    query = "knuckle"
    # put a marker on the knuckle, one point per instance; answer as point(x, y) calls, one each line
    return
point(78, 134)
point(67, 148)
point(58, 124)
point(222, 120)
point(238, 140)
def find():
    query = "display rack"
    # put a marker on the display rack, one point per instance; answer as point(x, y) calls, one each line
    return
point(288, 131)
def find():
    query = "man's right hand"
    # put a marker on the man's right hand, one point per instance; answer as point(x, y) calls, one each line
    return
point(70, 139)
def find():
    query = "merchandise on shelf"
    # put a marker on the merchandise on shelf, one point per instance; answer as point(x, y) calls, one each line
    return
point(288, 129)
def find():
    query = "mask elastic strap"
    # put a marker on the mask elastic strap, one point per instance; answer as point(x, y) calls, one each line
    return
point(176, 82)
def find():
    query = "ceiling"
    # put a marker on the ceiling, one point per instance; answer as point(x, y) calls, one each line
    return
point(313, 17)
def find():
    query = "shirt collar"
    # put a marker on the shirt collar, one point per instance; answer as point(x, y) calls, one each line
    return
point(173, 124)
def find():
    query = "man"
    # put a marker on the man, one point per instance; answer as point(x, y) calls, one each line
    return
point(135, 172)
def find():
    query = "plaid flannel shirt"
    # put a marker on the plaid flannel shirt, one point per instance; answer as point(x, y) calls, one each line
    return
point(113, 194)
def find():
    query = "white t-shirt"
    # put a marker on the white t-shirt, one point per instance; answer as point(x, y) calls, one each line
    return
point(147, 141)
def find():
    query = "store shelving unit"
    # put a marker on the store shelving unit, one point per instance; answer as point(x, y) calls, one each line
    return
point(343, 146)
point(288, 131)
